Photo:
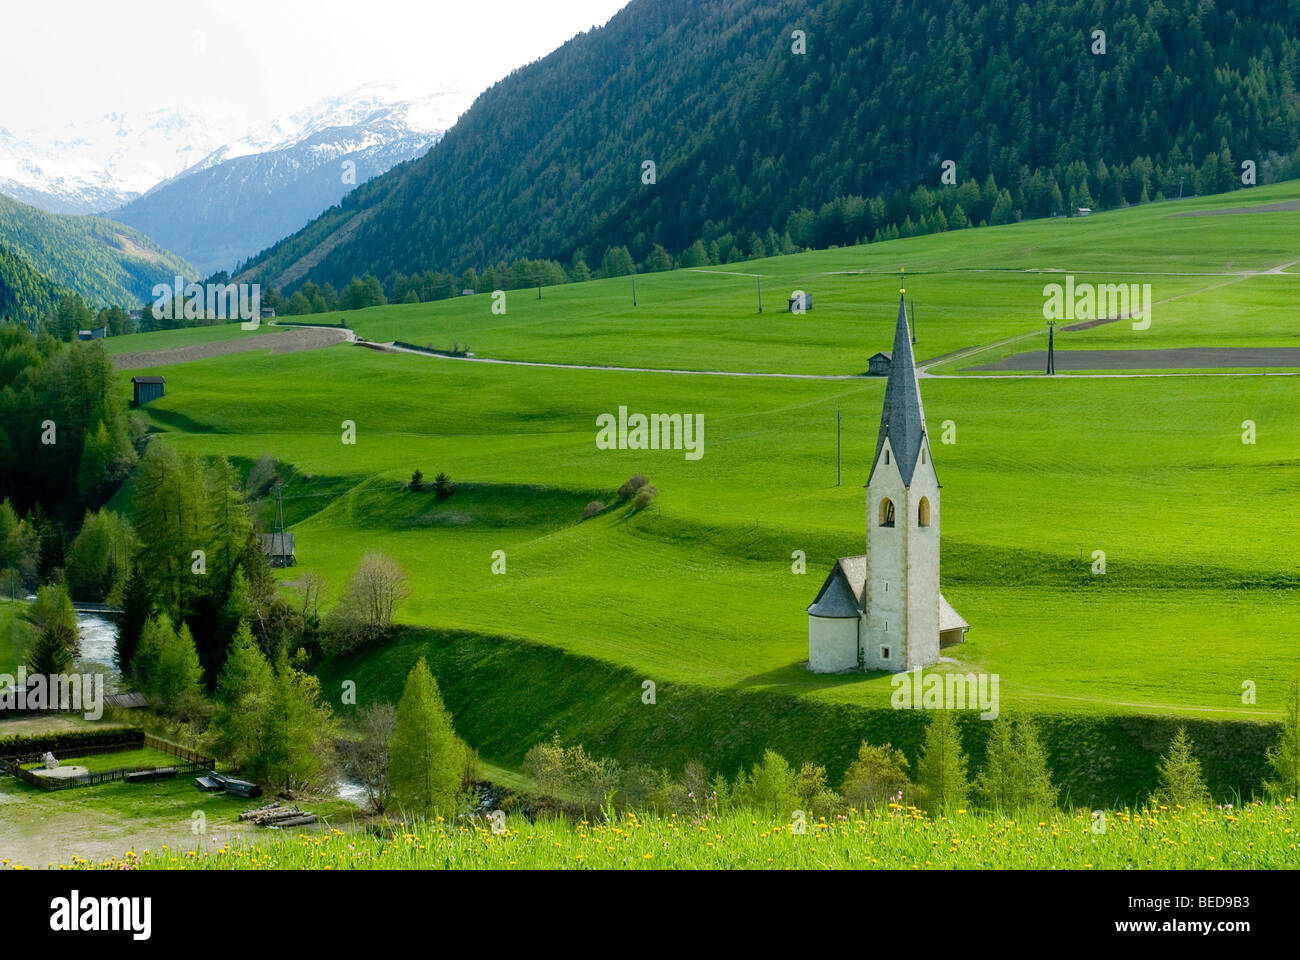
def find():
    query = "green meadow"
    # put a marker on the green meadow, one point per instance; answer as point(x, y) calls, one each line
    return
point(1256, 837)
point(1199, 531)
point(1211, 282)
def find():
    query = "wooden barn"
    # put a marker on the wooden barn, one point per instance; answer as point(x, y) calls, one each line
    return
point(145, 389)
point(879, 365)
point(278, 549)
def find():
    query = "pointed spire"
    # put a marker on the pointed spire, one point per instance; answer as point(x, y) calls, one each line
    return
point(901, 420)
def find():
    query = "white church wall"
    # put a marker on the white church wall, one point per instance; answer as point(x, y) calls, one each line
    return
point(832, 644)
point(886, 627)
point(923, 567)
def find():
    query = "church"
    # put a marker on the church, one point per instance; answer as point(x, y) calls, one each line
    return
point(883, 610)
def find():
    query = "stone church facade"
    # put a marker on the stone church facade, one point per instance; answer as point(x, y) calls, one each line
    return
point(883, 610)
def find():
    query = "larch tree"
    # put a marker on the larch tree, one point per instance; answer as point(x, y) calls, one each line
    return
point(941, 769)
point(425, 757)
point(242, 701)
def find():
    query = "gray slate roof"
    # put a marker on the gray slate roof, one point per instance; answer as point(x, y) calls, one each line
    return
point(901, 420)
point(277, 545)
point(843, 595)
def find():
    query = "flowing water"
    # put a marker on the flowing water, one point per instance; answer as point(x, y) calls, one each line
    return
point(98, 644)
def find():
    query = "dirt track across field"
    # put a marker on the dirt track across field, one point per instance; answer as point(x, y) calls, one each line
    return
point(1180, 358)
point(290, 341)
point(1258, 208)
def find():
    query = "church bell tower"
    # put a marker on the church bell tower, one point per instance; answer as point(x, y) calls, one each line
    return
point(900, 619)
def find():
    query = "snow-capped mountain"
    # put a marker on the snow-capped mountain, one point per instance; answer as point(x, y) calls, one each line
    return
point(99, 165)
point(248, 193)
point(372, 105)
point(215, 199)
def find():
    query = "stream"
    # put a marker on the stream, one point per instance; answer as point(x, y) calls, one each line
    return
point(98, 636)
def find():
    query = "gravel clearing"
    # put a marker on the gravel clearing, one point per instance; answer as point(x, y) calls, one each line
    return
point(290, 341)
point(1180, 358)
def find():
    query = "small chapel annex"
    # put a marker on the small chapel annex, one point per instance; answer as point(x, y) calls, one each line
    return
point(883, 610)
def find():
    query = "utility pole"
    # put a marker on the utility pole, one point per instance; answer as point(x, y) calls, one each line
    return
point(277, 537)
point(912, 308)
point(634, 291)
point(539, 291)
point(760, 293)
point(1051, 348)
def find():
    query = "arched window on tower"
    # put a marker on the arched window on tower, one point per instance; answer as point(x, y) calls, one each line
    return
point(923, 513)
point(886, 512)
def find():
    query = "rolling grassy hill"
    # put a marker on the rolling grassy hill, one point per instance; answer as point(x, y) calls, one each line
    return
point(1209, 274)
point(697, 592)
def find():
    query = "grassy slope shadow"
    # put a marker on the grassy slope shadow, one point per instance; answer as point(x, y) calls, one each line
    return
point(507, 694)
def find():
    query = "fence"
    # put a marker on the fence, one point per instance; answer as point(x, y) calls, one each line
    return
point(194, 763)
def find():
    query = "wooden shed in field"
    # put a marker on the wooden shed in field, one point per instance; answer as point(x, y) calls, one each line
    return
point(145, 389)
point(278, 549)
point(879, 365)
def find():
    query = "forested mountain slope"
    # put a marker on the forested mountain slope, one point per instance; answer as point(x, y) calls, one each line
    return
point(845, 142)
point(105, 262)
point(25, 295)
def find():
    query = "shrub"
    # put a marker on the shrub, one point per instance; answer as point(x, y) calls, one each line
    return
point(644, 497)
point(417, 480)
point(71, 740)
point(570, 773)
point(770, 787)
point(632, 485)
point(365, 611)
point(1284, 756)
point(877, 777)
point(591, 509)
point(260, 476)
point(443, 487)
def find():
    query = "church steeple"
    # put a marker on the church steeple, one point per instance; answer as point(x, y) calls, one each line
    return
point(901, 420)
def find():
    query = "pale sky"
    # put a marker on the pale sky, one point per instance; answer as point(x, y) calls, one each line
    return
point(66, 61)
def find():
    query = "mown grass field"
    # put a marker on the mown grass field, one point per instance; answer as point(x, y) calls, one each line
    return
point(144, 758)
point(1210, 278)
point(1035, 483)
point(1254, 837)
point(1199, 530)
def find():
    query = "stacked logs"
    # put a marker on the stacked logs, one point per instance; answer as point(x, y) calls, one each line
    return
point(277, 815)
